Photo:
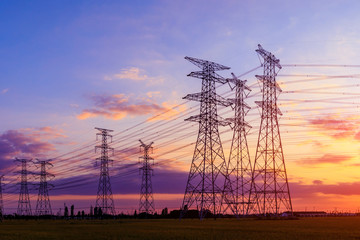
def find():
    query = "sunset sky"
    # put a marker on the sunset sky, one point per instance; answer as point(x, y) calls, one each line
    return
point(67, 67)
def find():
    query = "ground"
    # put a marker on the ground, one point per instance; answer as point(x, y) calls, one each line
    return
point(303, 228)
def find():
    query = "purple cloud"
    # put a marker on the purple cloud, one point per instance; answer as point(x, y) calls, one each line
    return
point(118, 106)
point(29, 143)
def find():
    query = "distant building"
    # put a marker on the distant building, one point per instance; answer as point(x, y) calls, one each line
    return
point(306, 214)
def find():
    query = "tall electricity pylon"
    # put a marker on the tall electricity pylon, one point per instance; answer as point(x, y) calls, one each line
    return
point(43, 206)
point(238, 183)
point(146, 193)
point(1, 199)
point(24, 206)
point(269, 188)
point(208, 168)
point(104, 198)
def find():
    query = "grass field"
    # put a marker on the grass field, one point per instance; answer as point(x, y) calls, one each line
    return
point(305, 228)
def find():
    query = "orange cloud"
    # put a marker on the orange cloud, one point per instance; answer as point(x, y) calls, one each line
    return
point(341, 188)
point(171, 111)
point(336, 128)
point(134, 74)
point(357, 136)
point(326, 158)
point(118, 106)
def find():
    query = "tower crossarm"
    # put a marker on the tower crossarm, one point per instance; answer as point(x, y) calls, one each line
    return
point(202, 117)
point(237, 82)
point(202, 97)
point(202, 63)
point(203, 74)
point(233, 101)
point(263, 78)
point(263, 104)
point(240, 122)
point(104, 130)
point(268, 56)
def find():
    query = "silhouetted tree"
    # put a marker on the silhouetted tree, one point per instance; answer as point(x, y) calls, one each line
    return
point(95, 211)
point(164, 212)
point(83, 214)
point(91, 210)
point(66, 212)
point(72, 211)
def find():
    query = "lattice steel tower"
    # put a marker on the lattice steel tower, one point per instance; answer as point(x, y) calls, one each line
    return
point(237, 185)
point(104, 198)
point(24, 206)
point(208, 168)
point(43, 206)
point(1, 199)
point(146, 193)
point(269, 188)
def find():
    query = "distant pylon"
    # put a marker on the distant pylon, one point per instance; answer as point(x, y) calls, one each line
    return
point(208, 168)
point(43, 206)
point(238, 183)
point(1, 199)
point(146, 193)
point(24, 206)
point(104, 198)
point(269, 188)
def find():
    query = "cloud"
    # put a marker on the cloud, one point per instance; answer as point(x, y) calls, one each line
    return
point(74, 105)
point(28, 142)
point(357, 136)
point(163, 181)
point(336, 128)
point(341, 188)
point(134, 74)
point(4, 91)
point(315, 143)
point(119, 106)
point(153, 94)
point(317, 182)
point(14, 143)
point(326, 158)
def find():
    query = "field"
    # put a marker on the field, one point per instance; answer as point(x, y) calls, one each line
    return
point(304, 228)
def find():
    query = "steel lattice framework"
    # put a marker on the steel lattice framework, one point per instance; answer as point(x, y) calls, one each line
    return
point(146, 192)
point(43, 206)
point(1, 199)
point(208, 168)
point(104, 198)
point(269, 189)
point(24, 206)
point(238, 183)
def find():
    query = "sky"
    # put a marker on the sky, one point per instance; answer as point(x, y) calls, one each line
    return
point(67, 67)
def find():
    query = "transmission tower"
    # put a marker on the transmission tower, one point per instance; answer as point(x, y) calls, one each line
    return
point(208, 168)
point(104, 198)
point(24, 207)
point(1, 199)
point(269, 188)
point(146, 194)
point(43, 206)
point(238, 183)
